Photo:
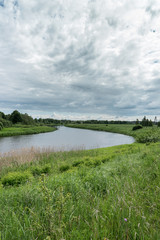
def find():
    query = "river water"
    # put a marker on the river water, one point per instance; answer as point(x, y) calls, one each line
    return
point(64, 139)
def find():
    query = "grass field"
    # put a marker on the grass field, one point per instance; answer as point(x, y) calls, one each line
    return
point(109, 193)
point(24, 130)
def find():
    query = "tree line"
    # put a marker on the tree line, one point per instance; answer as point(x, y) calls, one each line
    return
point(8, 120)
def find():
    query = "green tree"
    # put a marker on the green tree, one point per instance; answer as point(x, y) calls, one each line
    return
point(15, 117)
point(145, 122)
point(26, 119)
point(2, 115)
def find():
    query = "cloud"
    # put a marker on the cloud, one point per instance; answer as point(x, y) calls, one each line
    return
point(80, 58)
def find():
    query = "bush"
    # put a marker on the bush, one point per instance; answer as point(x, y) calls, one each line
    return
point(1, 125)
point(107, 159)
point(136, 127)
point(5, 122)
point(144, 138)
point(77, 163)
point(64, 168)
point(93, 163)
point(41, 170)
point(15, 178)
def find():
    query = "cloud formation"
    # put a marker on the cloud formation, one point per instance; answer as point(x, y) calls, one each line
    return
point(88, 58)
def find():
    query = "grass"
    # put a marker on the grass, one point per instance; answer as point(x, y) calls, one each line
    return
point(24, 130)
point(110, 193)
point(143, 135)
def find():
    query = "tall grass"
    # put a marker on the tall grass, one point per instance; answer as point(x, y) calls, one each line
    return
point(111, 193)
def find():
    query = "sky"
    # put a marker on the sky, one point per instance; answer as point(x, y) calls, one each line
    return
point(88, 59)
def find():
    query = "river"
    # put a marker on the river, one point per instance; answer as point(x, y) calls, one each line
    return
point(64, 139)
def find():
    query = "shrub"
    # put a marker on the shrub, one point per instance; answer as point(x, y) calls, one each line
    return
point(5, 122)
point(76, 163)
point(96, 162)
point(93, 163)
point(41, 170)
point(1, 125)
point(15, 178)
point(64, 168)
point(144, 138)
point(136, 127)
point(107, 159)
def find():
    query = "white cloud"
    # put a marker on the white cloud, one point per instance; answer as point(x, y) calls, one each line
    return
point(81, 58)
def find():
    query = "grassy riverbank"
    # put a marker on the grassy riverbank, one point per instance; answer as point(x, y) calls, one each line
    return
point(111, 193)
point(143, 135)
point(24, 130)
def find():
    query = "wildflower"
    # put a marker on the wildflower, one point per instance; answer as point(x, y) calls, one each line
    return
point(125, 219)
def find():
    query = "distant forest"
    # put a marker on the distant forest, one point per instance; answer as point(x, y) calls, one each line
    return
point(15, 118)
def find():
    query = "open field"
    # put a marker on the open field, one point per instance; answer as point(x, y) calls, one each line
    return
point(24, 130)
point(144, 135)
point(110, 193)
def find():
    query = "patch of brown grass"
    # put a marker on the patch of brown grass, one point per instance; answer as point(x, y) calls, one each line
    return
point(27, 155)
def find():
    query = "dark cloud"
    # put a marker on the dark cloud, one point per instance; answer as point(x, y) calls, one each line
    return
point(1, 3)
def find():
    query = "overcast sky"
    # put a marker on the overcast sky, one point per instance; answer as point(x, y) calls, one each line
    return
point(88, 59)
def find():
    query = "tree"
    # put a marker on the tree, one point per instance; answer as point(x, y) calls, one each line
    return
point(15, 117)
point(26, 119)
point(2, 115)
point(145, 122)
point(155, 120)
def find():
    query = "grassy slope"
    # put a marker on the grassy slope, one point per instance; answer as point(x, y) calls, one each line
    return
point(111, 193)
point(24, 130)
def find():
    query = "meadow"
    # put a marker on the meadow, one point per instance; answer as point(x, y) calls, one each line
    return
point(24, 130)
point(109, 193)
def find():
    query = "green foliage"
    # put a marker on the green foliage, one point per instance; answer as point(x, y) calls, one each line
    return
point(136, 127)
point(92, 163)
point(1, 125)
point(2, 115)
point(38, 170)
point(145, 122)
point(15, 117)
point(5, 122)
point(15, 178)
point(77, 163)
point(64, 168)
point(26, 119)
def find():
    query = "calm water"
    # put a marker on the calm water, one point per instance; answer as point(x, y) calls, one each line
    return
point(65, 139)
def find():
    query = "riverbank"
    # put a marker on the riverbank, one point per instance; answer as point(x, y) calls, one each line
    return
point(143, 135)
point(25, 130)
point(110, 193)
